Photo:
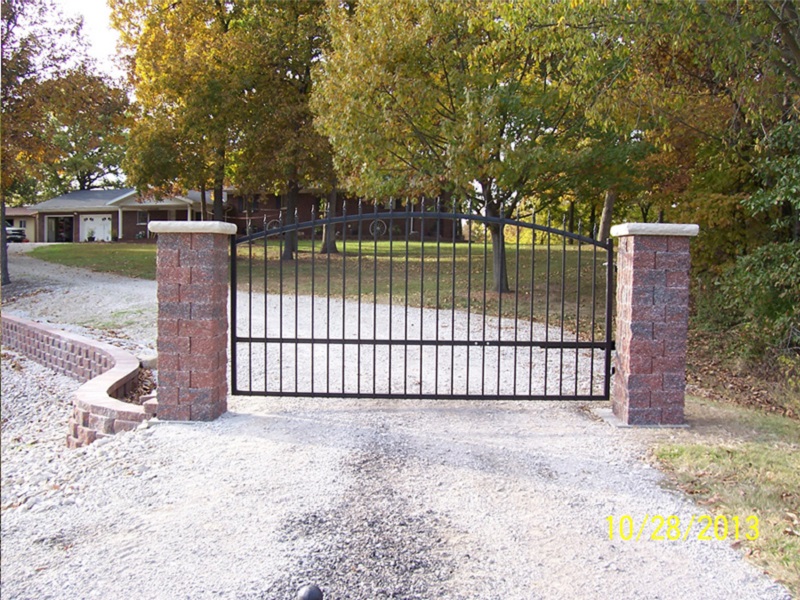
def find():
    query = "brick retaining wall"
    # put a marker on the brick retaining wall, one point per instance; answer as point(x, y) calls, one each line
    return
point(108, 373)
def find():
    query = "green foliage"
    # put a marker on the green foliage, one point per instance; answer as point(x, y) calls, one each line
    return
point(35, 55)
point(779, 170)
point(223, 91)
point(721, 82)
point(88, 125)
point(759, 299)
point(183, 70)
point(465, 97)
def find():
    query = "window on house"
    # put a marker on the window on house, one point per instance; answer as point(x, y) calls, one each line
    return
point(142, 217)
point(22, 223)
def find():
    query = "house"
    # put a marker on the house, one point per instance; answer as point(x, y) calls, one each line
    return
point(23, 217)
point(252, 213)
point(105, 215)
point(121, 214)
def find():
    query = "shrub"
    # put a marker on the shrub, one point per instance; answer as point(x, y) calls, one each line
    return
point(760, 297)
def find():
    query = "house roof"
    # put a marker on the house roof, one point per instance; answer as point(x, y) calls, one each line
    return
point(19, 211)
point(86, 200)
point(195, 196)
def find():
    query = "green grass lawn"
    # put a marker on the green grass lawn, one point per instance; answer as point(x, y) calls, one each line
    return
point(130, 260)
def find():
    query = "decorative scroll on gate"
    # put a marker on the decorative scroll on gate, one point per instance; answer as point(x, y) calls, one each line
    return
point(416, 305)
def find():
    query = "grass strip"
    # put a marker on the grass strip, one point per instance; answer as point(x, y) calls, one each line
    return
point(130, 260)
point(753, 470)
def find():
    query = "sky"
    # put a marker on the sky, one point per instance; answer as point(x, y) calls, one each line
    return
point(97, 29)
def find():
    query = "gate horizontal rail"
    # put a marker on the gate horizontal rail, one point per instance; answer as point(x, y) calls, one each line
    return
point(401, 313)
point(439, 343)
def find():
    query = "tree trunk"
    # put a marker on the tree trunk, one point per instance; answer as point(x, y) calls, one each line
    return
point(203, 202)
point(219, 210)
point(792, 218)
point(605, 218)
point(571, 220)
point(329, 231)
point(499, 269)
point(219, 184)
point(796, 227)
point(644, 208)
point(290, 239)
point(6, 278)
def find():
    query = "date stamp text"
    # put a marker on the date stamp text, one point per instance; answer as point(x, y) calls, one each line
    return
point(661, 528)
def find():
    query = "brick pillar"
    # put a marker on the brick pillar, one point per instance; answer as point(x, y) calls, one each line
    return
point(652, 322)
point(192, 275)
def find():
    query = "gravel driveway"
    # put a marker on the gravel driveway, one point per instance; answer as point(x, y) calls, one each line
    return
point(369, 499)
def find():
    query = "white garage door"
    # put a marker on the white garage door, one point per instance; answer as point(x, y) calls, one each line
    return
point(98, 226)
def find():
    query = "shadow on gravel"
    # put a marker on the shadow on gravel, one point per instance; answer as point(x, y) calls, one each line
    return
point(377, 543)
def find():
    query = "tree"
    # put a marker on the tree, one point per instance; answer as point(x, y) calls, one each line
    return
point(88, 125)
point(34, 55)
point(328, 231)
point(480, 100)
point(182, 67)
point(223, 92)
point(278, 148)
point(740, 60)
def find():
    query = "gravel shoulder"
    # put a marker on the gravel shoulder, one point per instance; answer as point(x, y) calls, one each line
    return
point(369, 499)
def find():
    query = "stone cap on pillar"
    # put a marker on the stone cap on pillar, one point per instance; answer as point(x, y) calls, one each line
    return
point(192, 227)
point(669, 229)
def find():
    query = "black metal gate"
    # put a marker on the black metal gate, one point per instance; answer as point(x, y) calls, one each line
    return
point(411, 307)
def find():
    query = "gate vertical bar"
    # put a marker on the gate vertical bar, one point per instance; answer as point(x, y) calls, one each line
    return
point(391, 288)
point(438, 289)
point(405, 308)
point(594, 307)
point(453, 305)
point(486, 234)
point(249, 308)
point(344, 297)
point(469, 294)
point(328, 311)
point(547, 303)
point(280, 304)
point(609, 301)
point(578, 309)
point(358, 310)
point(266, 308)
point(563, 305)
point(234, 319)
point(500, 292)
point(421, 293)
point(296, 237)
point(374, 296)
point(516, 302)
point(314, 281)
point(530, 317)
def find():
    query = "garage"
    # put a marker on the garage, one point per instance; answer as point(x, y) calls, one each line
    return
point(96, 228)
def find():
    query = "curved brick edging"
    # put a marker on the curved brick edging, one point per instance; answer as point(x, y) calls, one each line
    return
point(109, 373)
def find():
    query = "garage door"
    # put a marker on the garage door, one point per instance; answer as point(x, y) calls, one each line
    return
point(97, 226)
